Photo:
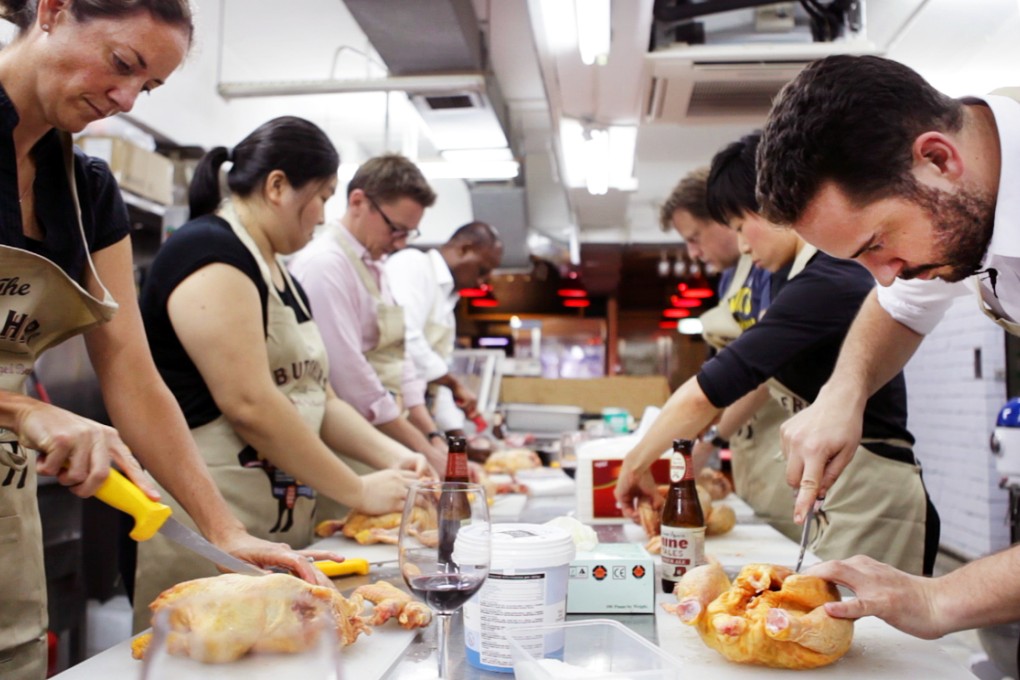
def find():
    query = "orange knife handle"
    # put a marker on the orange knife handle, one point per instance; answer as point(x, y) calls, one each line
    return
point(354, 565)
point(120, 492)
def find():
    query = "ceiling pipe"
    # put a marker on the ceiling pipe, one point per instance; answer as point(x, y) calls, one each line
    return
point(424, 84)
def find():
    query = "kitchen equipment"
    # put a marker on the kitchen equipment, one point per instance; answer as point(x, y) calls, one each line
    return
point(805, 532)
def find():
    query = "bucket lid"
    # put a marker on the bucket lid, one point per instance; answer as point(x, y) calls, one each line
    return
point(516, 546)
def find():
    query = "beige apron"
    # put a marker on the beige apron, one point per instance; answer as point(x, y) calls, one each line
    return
point(387, 357)
point(877, 507)
point(40, 306)
point(1011, 327)
point(759, 471)
point(272, 504)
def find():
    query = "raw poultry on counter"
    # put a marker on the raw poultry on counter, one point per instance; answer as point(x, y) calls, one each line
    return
point(719, 518)
point(768, 616)
point(222, 618)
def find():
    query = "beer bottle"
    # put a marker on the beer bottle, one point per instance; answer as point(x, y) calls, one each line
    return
point(453, 506)
point(683, 523)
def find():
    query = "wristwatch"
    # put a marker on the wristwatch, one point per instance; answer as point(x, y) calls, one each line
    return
point(713, 438)
point(436, 433)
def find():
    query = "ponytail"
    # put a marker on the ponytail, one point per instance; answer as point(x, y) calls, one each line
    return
point(204, 192)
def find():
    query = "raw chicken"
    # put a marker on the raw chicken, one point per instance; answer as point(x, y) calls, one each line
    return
point(719, 518)
point(369, 529)
point(222, 618)
point(769, 616)
point(511, 461)
point(390, 601)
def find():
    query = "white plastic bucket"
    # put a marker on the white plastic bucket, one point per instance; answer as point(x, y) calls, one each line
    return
point(526, 586)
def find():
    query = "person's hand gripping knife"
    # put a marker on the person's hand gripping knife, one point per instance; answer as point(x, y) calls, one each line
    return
point(314, 566)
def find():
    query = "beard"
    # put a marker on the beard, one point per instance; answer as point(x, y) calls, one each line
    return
point(962, 225)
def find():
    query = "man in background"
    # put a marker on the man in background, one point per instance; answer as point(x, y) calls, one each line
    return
point(342, 273)
point(427, 285)
point(750, 427)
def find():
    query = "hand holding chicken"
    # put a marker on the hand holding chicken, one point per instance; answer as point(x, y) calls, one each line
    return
point(768, 616)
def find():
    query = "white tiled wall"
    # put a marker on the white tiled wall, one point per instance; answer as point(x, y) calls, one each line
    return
point(952, 415)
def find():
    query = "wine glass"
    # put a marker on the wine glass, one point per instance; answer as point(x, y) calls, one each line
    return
point(247, 637)
point(445, 547)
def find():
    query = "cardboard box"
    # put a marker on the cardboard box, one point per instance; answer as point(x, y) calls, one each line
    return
point(598, 467)
point(137, 170)
point(614, 578)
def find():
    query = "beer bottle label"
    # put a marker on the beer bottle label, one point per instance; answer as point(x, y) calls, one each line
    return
point(683, 548)
point(677, 467)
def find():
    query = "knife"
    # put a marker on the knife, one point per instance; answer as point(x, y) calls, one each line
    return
point(806, 531)
point(152, 517)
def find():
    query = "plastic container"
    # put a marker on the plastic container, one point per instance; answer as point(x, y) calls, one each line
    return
point(542, 418)
point(598, 467)
point(617, 420)
point(527, 585)
point(594, 649)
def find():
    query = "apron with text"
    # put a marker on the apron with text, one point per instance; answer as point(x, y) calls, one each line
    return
point(759, 471)
point(877, 507)
point(271, 504)
point(40, 306)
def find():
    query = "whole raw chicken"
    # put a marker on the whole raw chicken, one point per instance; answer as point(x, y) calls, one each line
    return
point(768, 616)
point(222, 618)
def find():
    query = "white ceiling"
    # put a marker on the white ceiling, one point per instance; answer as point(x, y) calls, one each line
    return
point(962, 46)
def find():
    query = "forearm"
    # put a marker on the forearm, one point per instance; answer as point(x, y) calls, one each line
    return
point(401, 430)
point(420, 417)
point(346, 432)
point(272, 425)
point(982, 593)
point(141, 407)
point(687, 413)
point(876, 348)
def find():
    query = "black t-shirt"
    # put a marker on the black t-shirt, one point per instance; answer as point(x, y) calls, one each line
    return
point(104, 217)
point(201, 242)
point(798, 341)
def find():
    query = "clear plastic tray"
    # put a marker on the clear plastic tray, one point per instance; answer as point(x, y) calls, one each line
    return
point(593, 649)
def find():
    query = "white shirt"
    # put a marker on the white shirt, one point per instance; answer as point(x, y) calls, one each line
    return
point(920, 305)
point(423, 285)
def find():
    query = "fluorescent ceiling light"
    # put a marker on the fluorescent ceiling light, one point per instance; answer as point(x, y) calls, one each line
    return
point(494, 170)
point(558, 22)
point(473, 155)
point(616, 143)
point(596, 161)
point(593, 30)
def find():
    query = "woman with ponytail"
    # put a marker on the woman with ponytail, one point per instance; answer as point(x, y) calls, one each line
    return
point(65, 265)
point(233, 337)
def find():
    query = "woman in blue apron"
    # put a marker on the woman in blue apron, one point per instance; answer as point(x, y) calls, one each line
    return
point(65, 269)
point(232, 335)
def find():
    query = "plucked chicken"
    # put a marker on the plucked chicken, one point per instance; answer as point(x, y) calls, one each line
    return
point(369, 529)
point(222, 618)
point(768, 616)
point(392, 602)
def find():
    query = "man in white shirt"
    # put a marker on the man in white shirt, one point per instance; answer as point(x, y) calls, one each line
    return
point(865, 160)
point(427, 285)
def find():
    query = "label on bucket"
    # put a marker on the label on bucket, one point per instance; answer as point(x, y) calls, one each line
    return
point(518, 599)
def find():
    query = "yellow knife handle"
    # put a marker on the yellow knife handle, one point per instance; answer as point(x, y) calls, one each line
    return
point(121, 493)
point(354, 565)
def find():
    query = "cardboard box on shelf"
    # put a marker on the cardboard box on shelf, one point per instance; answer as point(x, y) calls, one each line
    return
point(632, 393)
point(137, 170)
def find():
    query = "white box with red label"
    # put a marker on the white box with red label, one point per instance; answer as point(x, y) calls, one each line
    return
point(613, 578)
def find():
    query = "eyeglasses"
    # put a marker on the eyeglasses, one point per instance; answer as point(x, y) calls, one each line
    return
point(396, 232)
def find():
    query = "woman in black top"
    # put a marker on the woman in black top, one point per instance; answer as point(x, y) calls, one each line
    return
point(74, 62)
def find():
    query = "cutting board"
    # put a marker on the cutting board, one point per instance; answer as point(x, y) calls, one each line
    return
point(369, 658)
point(879, 651)
point(754, 543)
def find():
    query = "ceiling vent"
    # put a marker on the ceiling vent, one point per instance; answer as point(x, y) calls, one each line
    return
point(730, 83)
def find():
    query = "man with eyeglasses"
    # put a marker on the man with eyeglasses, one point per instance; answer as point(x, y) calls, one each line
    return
point(363, 327)
point(427, 285)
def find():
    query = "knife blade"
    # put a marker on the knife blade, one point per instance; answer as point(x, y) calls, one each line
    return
point(806, 532)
